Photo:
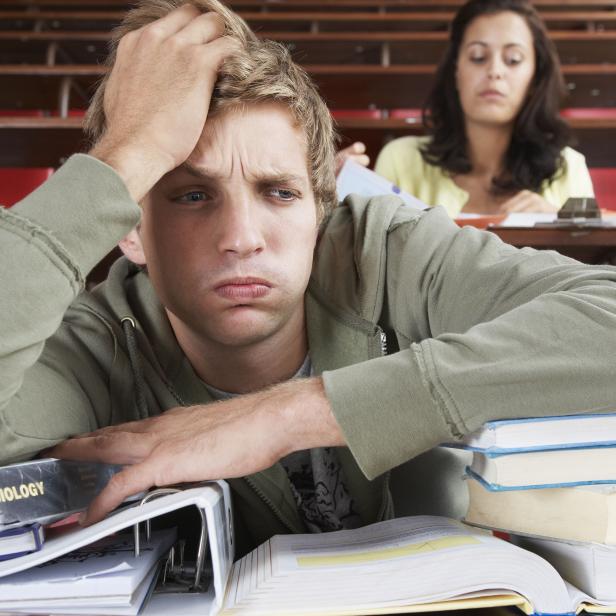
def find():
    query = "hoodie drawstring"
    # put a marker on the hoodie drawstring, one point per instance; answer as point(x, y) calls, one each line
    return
point(129, 327)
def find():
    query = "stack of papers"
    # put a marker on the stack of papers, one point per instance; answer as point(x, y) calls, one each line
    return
point(103, 577)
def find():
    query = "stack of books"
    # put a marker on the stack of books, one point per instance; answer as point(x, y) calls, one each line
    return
point(551, 483)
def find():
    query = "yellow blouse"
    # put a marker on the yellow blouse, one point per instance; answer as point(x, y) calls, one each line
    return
point(400, 161)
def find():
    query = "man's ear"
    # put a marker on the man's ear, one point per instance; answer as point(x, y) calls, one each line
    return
point(132, 247)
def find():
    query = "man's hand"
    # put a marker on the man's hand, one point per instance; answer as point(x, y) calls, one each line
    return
point(355, 152)
point(527, 201)
point(158, 94)
point(226, 439)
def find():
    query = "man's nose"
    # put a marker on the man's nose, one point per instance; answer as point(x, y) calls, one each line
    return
point(239, 231)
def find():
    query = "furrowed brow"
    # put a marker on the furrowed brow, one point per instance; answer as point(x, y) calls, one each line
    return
point(199, 173)
point(281, 178)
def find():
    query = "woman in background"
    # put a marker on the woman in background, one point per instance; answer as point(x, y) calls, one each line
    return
point(495, 140)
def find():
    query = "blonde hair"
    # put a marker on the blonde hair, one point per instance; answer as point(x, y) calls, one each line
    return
point(262, 71)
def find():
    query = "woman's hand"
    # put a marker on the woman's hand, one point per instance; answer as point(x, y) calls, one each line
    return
point(355, 152)
point(527, 201)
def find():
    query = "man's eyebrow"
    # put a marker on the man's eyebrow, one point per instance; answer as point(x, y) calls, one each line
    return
point(198, 172)
point(274, 177)
point(280, 178)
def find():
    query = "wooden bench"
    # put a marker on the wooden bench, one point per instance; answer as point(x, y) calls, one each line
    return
point(361, 86)
point(392, 48)
point(342, 86)
point(315, 21)
point(39, 142)
point(49, 47)
point(47, 141)
point(286, 5)
point(307, 21)
point(594, 136)
point(48, 87)
point(384, 48)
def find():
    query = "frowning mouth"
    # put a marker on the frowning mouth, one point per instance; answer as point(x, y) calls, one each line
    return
point(491, 94)
point(244, 288)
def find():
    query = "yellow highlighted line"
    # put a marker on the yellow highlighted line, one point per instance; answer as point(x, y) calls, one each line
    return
point(358, 558)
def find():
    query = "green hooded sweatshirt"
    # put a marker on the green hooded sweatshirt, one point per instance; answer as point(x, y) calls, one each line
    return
point(422, 332)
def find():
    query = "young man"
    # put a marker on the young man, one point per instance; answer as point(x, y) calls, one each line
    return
point(408, 330)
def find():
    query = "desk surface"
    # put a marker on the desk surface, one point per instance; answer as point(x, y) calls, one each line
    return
point(588, 244)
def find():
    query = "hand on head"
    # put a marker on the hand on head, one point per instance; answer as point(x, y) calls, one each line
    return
point(158, 93)
point(355, 152)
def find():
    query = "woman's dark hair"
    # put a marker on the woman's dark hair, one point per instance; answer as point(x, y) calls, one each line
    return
point(539, 133)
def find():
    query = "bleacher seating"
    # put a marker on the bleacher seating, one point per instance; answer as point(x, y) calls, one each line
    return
point(301, 21)
point(285, 5)
point(359, 47)
point(372, 59)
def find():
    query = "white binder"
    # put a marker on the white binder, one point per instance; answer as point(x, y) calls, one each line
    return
point(214, 503)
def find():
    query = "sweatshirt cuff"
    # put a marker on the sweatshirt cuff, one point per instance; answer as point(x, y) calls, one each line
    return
point(85, 206)
point(386, 410)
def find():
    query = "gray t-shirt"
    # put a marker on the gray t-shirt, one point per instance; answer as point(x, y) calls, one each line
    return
point(317, 480)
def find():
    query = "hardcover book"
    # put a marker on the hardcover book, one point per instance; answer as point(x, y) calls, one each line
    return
point(545, 469)
point(582, 513)
point(542, 433)
point(48, 489)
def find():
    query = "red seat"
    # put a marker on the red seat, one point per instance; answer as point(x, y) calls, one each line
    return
point(585, 113)
point(72, 113)
point(356, 114)
point(16, 183)
point(21, 113)
point(412, 116)
point(604, 182)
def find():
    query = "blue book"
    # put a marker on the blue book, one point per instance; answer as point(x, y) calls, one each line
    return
point(16, 542)
point(557, 468)
point(542, 433)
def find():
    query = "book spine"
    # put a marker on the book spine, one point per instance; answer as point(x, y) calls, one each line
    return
point(32, 532)
point(499, 487)
point(50, 488)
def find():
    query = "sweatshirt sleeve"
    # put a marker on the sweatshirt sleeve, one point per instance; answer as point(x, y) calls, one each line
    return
point(50, 241)
point(486, 331)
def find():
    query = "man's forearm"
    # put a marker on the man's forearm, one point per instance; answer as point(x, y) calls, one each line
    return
point(306, 414)
point(234, 438)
